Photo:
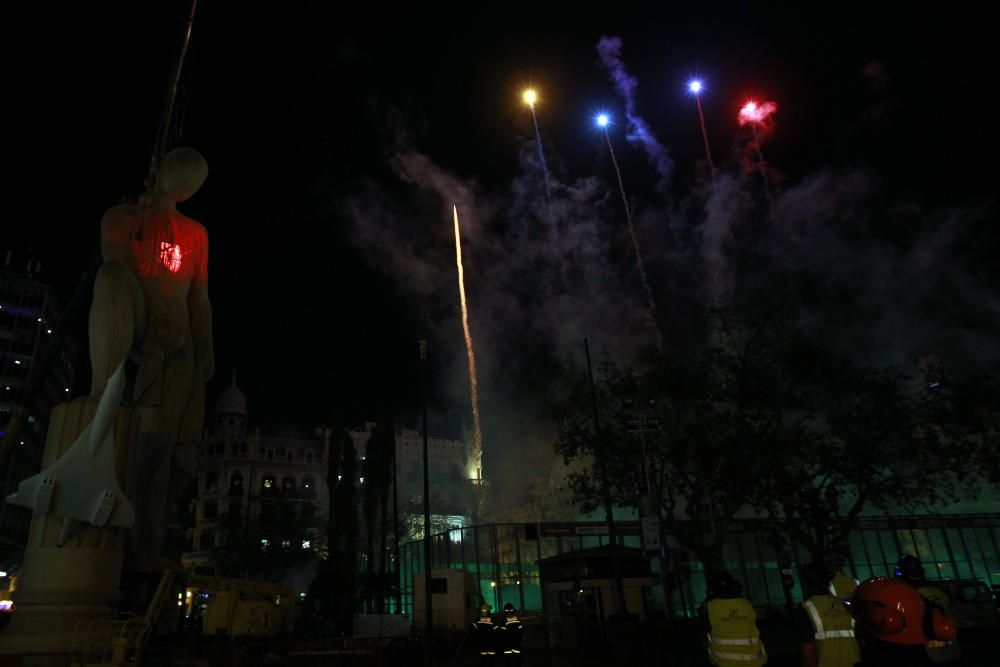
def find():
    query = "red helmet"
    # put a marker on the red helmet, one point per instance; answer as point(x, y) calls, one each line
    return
point(893, 611)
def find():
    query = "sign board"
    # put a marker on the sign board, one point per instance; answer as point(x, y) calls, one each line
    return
point(651, 545)
point(586, 528)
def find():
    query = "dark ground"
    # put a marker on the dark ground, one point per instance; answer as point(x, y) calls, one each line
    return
point(647, 645)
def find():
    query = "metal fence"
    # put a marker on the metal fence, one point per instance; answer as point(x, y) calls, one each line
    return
point(504, 557)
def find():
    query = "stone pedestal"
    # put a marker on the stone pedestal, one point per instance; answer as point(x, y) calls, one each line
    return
point(59, 586)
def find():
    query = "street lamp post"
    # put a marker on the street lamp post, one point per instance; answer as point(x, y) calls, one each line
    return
point(641, 424)
point(428, 595)
point(609, 512)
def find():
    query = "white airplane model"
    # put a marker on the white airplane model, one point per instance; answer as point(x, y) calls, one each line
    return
point(82, 486)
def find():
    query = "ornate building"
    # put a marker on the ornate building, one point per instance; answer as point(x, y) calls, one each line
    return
point(244, 470)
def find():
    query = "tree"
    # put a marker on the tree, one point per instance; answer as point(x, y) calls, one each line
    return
point(335, 585)
point(266, 546)
point(377, 475)
point(718, 411)
point(764, 420)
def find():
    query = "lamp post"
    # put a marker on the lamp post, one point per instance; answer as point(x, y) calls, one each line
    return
point(609, 513)
point(641, 424)
point(428, 610)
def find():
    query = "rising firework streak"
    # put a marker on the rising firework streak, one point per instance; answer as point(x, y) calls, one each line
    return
point(696, 87)
point(602, 121)
point(470, 351)
point(530, 97)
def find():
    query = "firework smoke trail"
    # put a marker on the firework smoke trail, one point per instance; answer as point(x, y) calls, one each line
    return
point(477, 432)
point(610, 51)
point(635, 239)
point(530, 97)
point(756, 115)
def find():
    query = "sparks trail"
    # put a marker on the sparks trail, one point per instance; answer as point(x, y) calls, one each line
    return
point(602, 120)
point(470, 351)
point(758, 116)
point(530, 97)
point(696, 87)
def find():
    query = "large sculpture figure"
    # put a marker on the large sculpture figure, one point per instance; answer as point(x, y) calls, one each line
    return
point(151, 304)
point(116, 460)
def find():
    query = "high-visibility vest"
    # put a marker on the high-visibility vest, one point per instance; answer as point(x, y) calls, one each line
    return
point(833, 628)
point(484, 629)
point(842, 586)
point(734, 640)
point(511, 635)
point(937, 650)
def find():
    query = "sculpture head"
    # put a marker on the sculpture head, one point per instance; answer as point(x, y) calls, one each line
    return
point(180, 173)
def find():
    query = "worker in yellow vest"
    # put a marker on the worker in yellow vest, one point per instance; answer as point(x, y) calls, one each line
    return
point(823, 623)
point(842, 586)
point(731, 623)
point(910, 569)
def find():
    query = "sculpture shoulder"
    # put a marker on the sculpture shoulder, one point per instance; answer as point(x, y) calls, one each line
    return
point(195, 227)
point(122, 216)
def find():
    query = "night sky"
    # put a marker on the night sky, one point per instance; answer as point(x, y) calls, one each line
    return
point(302, 111)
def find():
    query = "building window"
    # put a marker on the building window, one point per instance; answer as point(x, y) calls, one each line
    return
point(210, 510)
point(264, 544)
point(288, 486)
point(306, 544)
point(309, 457)
point(207, 540)
point(290, 455)
point(285, 544)
point(236, 484)
point(269, 486)
point(269, 454)
point(211, 482)
point(308, 488)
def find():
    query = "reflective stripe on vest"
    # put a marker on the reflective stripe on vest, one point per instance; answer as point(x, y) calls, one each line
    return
point(733, 642)
point(746, 657)
point(818, 624)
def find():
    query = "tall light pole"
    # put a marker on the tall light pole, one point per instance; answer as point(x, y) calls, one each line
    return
point(395, 522)
point(609, 513)
point(428, 608)
point(641, 424)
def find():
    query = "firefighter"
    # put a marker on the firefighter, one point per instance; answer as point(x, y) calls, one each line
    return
point(824, 626)
point(511, 632)
point(842, 585)
point(731, 623)
point(894, 624)
point(910, 569)
point(486, 639)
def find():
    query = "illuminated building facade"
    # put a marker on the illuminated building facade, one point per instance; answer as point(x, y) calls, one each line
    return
point(30, 324)
point(456, 477)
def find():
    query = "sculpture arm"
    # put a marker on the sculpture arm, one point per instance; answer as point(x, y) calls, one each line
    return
point(201, 315)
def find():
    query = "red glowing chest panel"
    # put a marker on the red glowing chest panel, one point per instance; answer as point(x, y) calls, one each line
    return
point(170, 248)
point(171, 255)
